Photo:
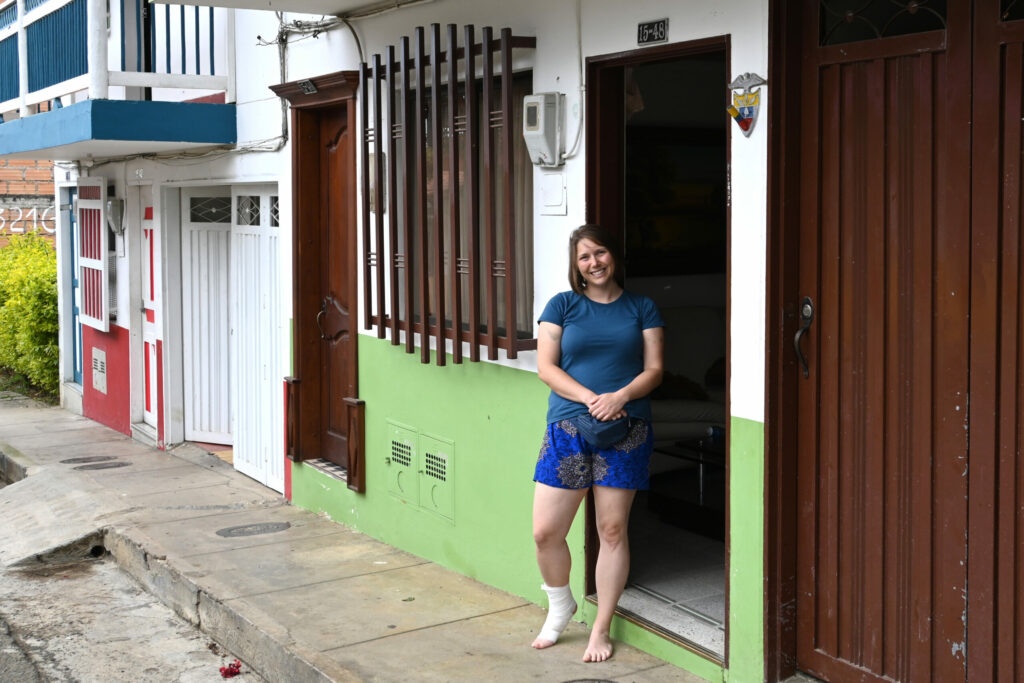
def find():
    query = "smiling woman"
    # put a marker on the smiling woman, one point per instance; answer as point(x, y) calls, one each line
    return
point(599, 348)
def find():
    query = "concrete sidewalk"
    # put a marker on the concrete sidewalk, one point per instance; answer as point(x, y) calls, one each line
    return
point(296, 596)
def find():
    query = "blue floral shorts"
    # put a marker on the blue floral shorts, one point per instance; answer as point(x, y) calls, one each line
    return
point(567, 461)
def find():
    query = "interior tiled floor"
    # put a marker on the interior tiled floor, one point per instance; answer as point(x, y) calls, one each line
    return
point(329, 468)
point(677, 579)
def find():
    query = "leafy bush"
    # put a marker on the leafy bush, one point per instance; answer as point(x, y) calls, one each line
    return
point(28, 310)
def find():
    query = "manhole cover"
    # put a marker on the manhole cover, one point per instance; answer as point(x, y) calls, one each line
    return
point(87, 458)
point(103, 465)
point(253, 529)
point(589, 680)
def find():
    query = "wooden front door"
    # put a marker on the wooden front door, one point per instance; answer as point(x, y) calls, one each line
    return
point(336, 317)
point(325, 416)
point(885, 264)
point(995, 616)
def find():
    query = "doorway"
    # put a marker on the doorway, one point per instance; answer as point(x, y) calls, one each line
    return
point(231, 327)
point(667, 155)
point(206, 322)
point(325, 416)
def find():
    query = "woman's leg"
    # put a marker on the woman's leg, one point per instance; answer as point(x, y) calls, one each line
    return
point(553, 512)
point(612, 507)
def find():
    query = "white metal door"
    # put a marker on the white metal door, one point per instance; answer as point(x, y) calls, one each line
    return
point(257, 399)
point(205, 277)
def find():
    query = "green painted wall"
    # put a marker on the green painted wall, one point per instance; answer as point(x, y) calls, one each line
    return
point(494, 415)
point(746, 551)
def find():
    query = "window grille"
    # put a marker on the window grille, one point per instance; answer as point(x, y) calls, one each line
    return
point(210, 209)
point(248, 210)
point(447, 195)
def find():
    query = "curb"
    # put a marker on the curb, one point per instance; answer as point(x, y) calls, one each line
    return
point(11, 470)
point(269, 650)
point(255, 638)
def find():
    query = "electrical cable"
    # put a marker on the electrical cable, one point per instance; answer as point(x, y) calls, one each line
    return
point(583, 86)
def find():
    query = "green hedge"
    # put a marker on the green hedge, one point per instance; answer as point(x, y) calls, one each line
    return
point(28, 310)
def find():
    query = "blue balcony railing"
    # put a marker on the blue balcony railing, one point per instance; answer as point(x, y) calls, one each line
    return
point(57, 49)
point(175, 48)
point(8, 16)
point(8, 68)
point(181, 39)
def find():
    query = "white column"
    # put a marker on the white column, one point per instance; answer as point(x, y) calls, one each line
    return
point(99, 76)
point(229, 36)
point(22, 60)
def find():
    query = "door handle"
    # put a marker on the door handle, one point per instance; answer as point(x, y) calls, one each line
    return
point(806, 318)
point(320, 316)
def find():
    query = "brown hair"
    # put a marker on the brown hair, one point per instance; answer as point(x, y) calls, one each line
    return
point(599, 236)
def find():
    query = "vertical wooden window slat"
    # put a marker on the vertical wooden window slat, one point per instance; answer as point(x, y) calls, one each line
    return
point(409, 178)
point(488, 207)
point(449, 178)
point(423, 260)
point(435, 146)
point(454, 257)
point(364, 154)
point(473, 179)
point(395, 132)
point(378, 196)
point(507, 195)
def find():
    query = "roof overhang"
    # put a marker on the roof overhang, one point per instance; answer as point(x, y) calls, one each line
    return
point(337, 8)
point(96, 129)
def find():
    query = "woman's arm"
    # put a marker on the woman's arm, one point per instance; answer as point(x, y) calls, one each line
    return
point(611, 405)
point(549, 352)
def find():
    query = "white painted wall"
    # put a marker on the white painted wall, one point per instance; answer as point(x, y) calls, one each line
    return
point(607, 26)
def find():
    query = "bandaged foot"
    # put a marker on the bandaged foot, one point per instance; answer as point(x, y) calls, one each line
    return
point(561, 607)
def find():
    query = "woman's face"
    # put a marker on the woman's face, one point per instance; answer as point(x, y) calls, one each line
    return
point(595, 263)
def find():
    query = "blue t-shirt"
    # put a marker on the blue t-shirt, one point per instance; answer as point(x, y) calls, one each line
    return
point(602, 346)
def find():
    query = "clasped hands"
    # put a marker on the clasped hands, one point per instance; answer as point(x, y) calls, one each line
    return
point(608, 406)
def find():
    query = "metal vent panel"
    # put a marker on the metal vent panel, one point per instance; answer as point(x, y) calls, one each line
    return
point(402, 460)
point(437, 488)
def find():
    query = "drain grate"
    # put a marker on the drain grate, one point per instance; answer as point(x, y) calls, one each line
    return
point(87, 458)
point(253, 529)
point(103, 465)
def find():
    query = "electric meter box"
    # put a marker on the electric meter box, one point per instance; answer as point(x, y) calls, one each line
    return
point(542, 127)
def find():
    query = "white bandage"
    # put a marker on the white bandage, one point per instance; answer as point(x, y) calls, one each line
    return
point(561, 607)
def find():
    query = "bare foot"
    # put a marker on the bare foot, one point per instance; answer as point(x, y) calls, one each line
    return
point(541, 643)
point(599, 648)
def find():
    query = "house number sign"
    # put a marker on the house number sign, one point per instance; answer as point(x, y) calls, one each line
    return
point(651, 32)
point(18, 219)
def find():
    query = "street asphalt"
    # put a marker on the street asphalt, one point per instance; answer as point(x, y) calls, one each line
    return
point(296, 596)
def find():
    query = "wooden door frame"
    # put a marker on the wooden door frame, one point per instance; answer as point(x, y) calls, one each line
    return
point(309, 99)
point(605, 174)
point(781, 374)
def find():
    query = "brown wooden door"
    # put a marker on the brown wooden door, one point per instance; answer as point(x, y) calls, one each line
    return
point(885, 256)
point(995, 617)
point(325, 415)
point(335, 320)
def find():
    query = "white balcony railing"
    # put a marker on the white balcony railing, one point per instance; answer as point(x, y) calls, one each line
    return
point(62, 51)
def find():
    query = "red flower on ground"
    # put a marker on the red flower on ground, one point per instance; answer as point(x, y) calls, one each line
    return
point(231, 670)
